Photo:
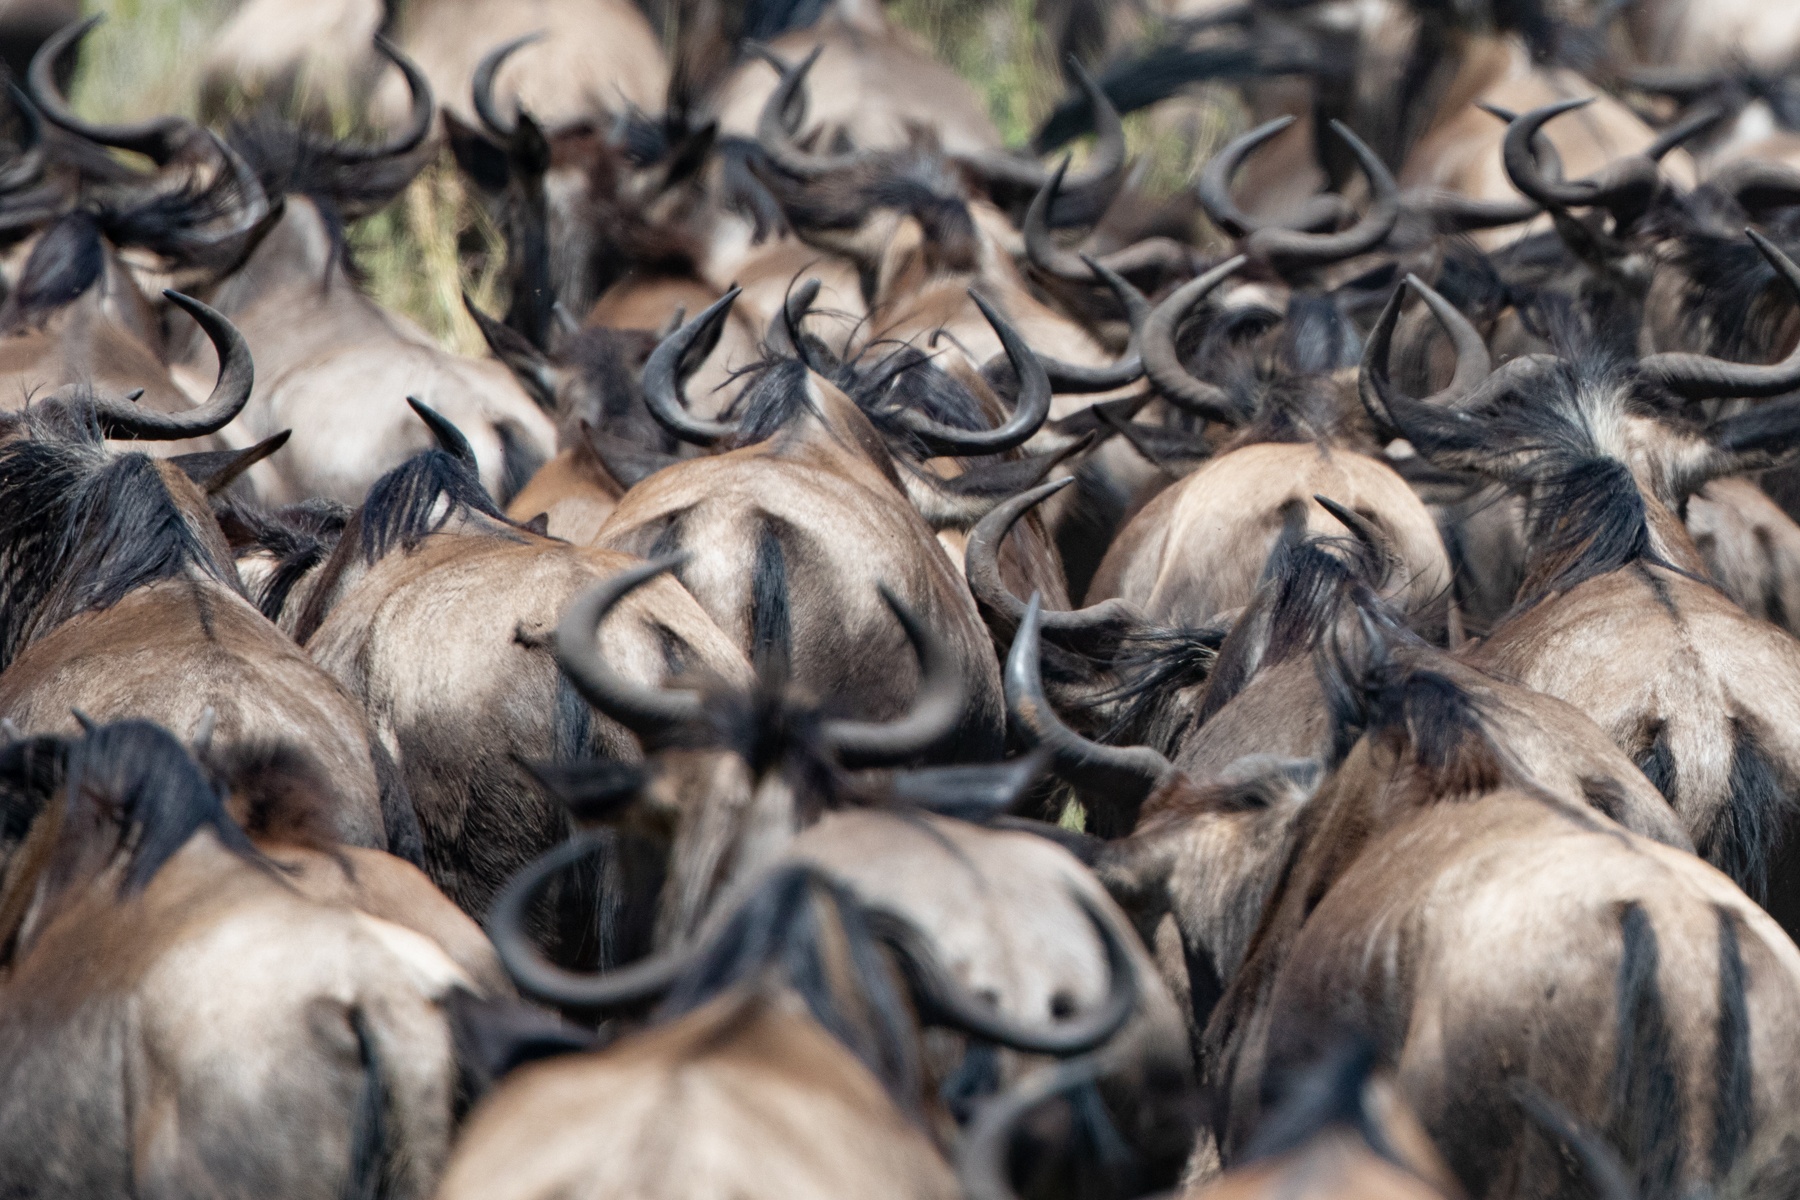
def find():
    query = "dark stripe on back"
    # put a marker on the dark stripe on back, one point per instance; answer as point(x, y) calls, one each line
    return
point(1747, 829)
point(1645, 1107)
point(771, 621)
point(1733, 1106)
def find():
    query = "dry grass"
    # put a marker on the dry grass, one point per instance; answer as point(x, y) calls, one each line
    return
point(421, 254)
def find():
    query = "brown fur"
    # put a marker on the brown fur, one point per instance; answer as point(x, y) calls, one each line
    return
point(497, 601)
point(336, 368)
point(123, 1073)
point(827, 476)
point(746, 1094)
point(1197, 549)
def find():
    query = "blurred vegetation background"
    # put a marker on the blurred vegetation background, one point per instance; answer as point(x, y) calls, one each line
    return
point(146, 59)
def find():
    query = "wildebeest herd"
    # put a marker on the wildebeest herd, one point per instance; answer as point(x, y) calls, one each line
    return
point(915, 668)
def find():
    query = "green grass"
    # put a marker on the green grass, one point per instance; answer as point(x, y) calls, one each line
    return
point(424, 251)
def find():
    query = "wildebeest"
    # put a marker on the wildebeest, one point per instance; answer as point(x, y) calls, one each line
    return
point(1429, 811)
point(334, 366)
point(179, 1020)
point(121, 599)
point(428, 563)
point(1608, 562)
point(821, 500)
point(798, 944)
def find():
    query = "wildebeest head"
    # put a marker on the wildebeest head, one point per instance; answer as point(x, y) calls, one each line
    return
point(579, 206)
point(908, 400)
point(1295, 253)
point(733, 776)
point(583, 376)
point(82, 527)
point(1603, 458)
point(780, 922)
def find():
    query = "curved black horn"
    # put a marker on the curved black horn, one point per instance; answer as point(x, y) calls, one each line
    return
point(784, 327)
point(1040, 249)
point(1028, 414)
point(124, 420)
point(449, 438)
point(772, 131)
point(1624, 187)
point(28, 167)
point(1156, 343)
point(982, 1158)
point(1758, 185)
point(159, 139)
point(1290, 250)
point(411, 135)
point(1109, 779)
point(1450, 212)
point(1473, 363)
point(1083, 199)
point(481, 88)
point(942, 1001)
point(664, 371)
point(981, 563)
point(936, 710)
point(541, 979)
point(1075, 378)
point(649, 712)
point(1695, 122)
point(1471, 385)
point(1702, 377)
point(1214, 187)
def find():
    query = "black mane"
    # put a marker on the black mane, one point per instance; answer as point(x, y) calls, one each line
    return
point(299, 538)
point(783, 930)
point(898, 378)
point(418, 498)
point(127, 786)
point(81, 529)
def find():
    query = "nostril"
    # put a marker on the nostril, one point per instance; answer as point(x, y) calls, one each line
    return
point(1062, 1005)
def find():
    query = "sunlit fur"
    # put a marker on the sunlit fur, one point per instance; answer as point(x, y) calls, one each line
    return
point(120, 599)
point(136, 904)
point(428, 564)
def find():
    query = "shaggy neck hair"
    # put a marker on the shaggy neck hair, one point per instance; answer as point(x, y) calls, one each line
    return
point(80, 529)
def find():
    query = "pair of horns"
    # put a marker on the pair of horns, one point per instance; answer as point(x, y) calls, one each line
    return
point(654, 713)
point(940, 1000)
point(1294, 249)
point(1690, 376)
point(668, 365)
point(163, 139)
point(1082, 198)
point(1624, 187)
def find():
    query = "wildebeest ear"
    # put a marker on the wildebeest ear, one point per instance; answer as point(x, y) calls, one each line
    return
point(216, 470)
point(593, 789)
point(528, 364)
point(481, 158)
point(962, 500)
point(627, 462)
point(492, 1037)
point(976, 793)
